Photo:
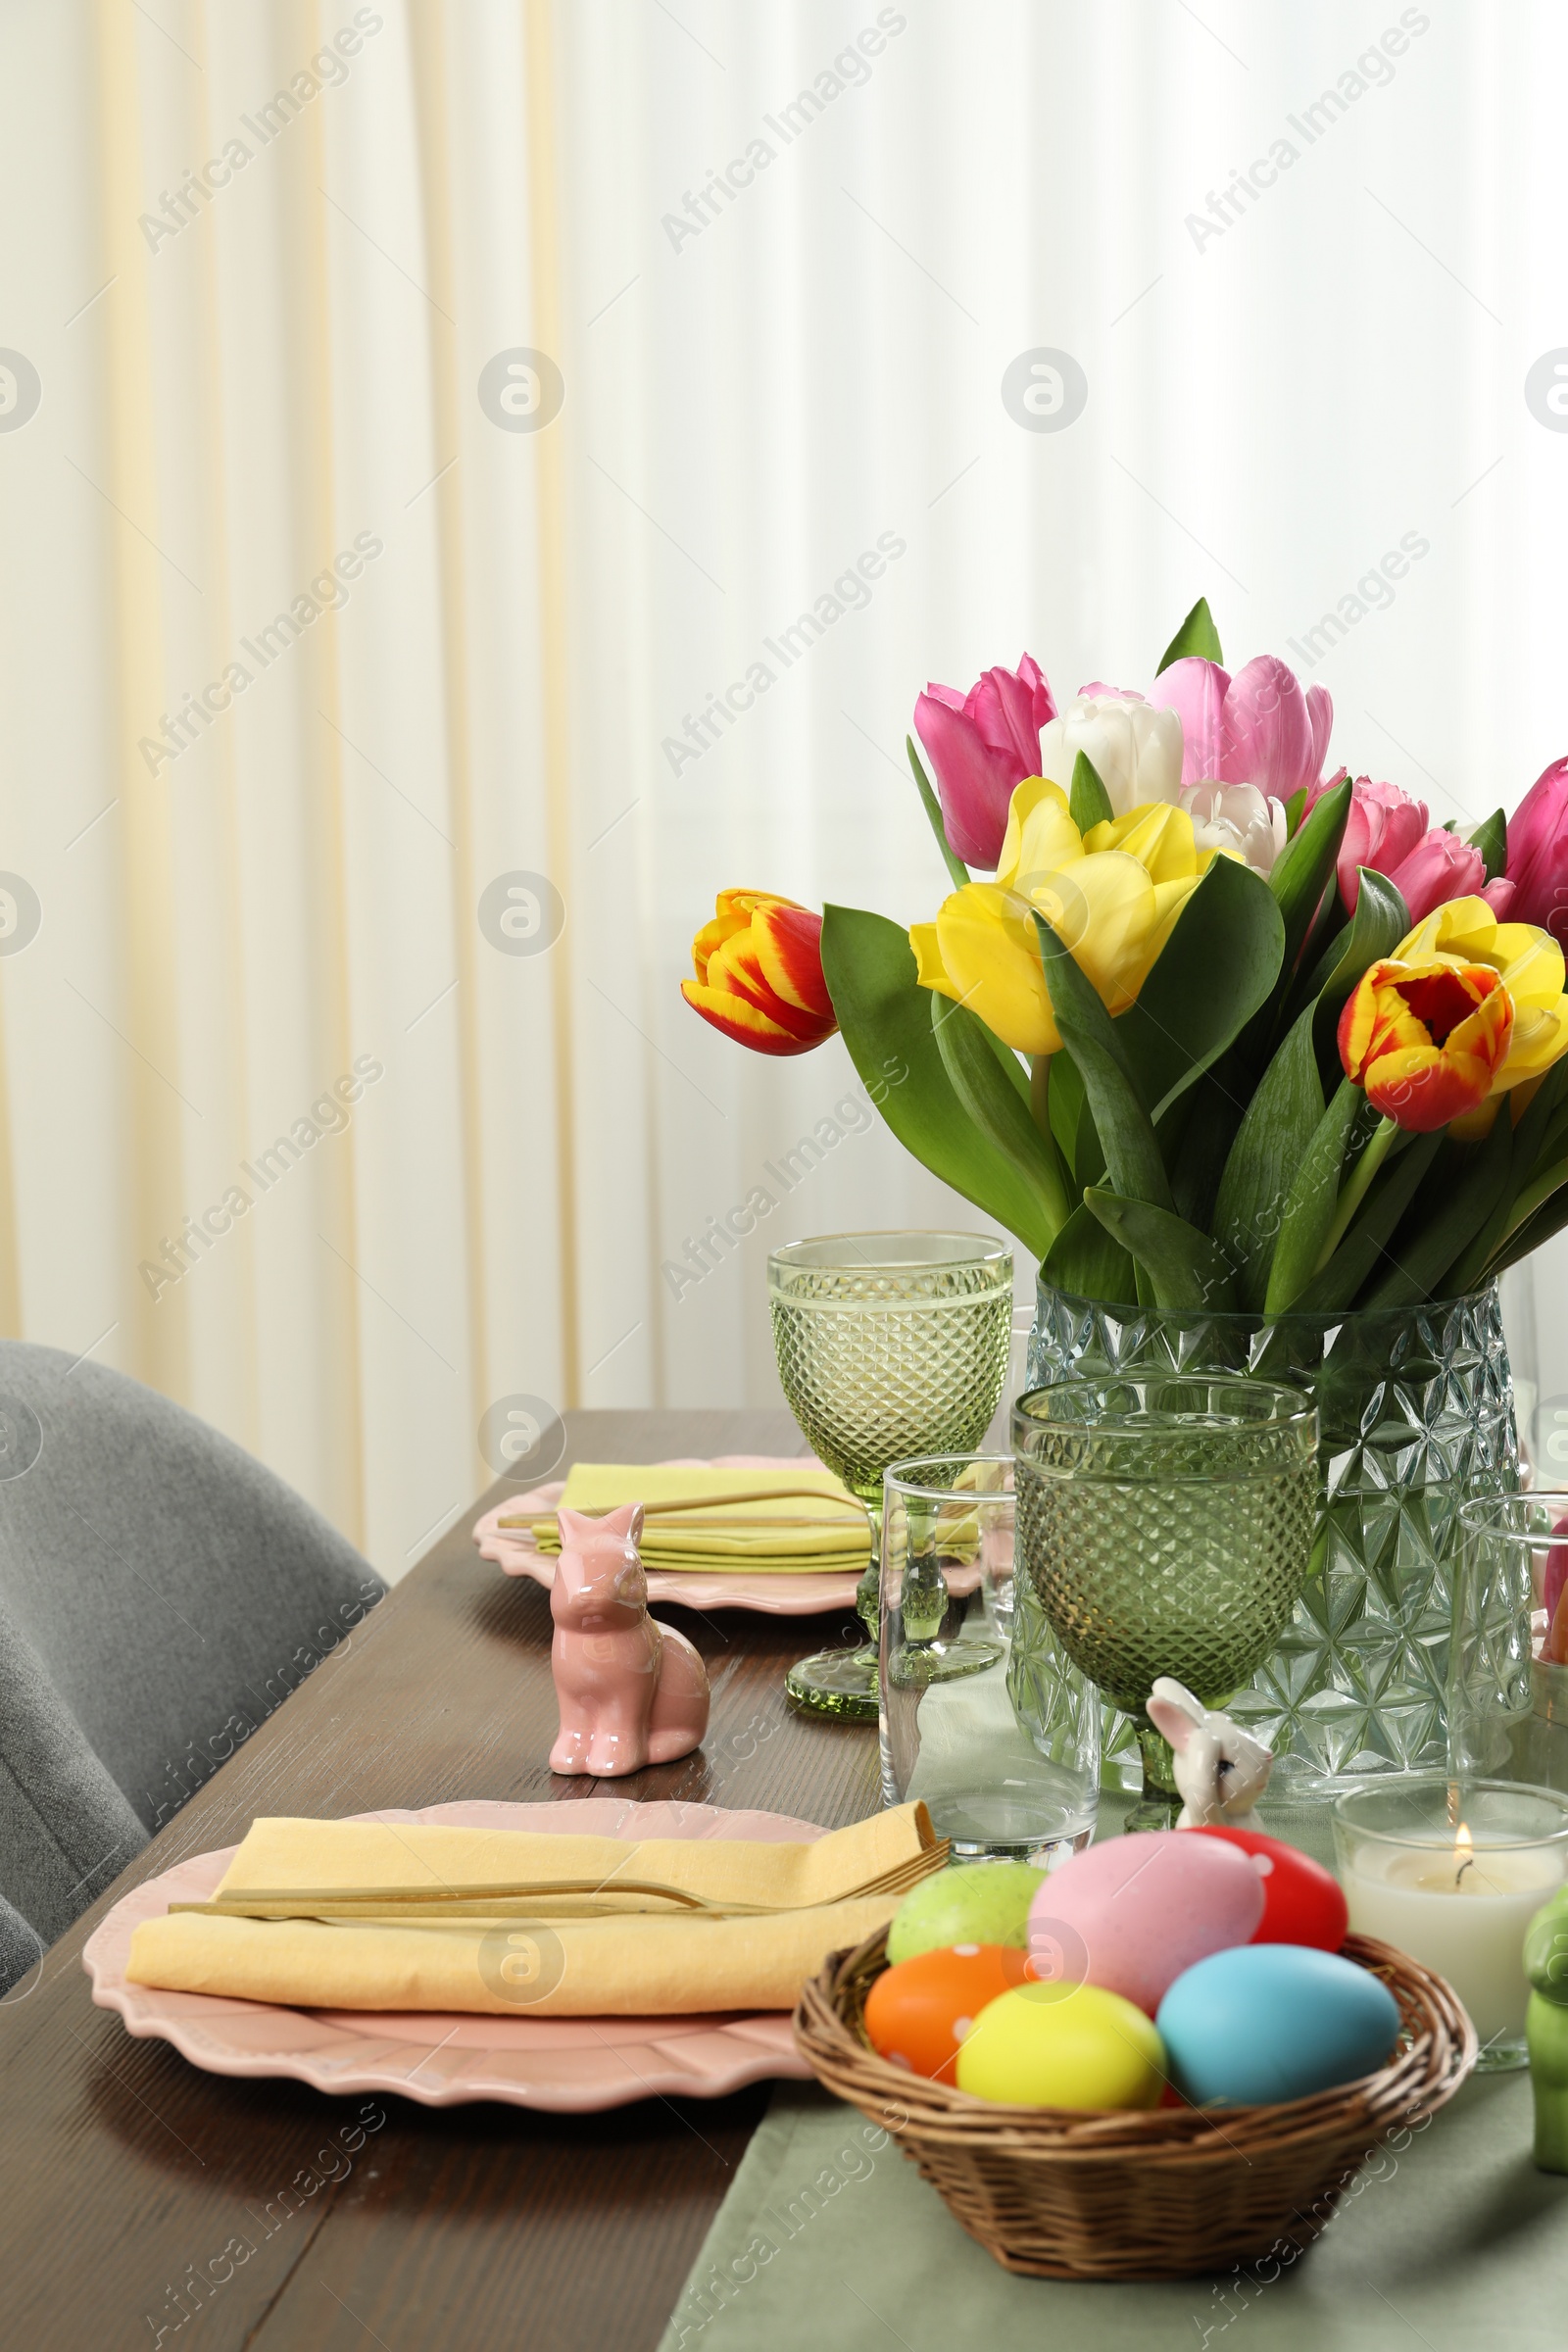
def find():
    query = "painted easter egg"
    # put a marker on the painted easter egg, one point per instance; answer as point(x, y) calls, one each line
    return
point(1131, 1914)
point(1273, 2022)
point(1302, 1902)
point(974, 1902)
point(919, 2013)
point(1062, 2045)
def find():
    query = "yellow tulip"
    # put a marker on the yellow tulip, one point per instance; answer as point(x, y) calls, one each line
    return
point(1531, 964)
point(1113, 895)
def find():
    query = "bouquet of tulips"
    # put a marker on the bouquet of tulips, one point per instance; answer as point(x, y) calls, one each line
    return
point(1203, 1026)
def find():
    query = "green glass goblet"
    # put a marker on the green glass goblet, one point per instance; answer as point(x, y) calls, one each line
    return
point(888, 1346)
point(1165, 1524)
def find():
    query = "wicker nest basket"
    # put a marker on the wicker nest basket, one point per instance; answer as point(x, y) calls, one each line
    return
point(1158, 2194)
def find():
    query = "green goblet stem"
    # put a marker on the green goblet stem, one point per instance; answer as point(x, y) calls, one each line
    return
point(1159, 1800)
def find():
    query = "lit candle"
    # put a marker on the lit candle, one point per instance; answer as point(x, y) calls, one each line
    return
point(1458, 1896)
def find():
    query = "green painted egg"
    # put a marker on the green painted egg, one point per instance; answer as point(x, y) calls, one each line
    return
point(974, 1902)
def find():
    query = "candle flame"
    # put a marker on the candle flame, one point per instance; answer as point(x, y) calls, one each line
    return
point(1465, 1852)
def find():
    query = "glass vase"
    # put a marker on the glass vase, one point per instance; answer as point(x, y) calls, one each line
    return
point(1415, 1413)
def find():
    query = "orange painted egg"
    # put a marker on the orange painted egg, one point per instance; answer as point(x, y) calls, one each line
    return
point(919, 2013)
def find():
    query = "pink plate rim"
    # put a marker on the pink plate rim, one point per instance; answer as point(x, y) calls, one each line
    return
point(564, 2065)
point(765, 1596)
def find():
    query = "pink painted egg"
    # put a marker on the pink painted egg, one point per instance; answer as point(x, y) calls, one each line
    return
point(1132, 1914)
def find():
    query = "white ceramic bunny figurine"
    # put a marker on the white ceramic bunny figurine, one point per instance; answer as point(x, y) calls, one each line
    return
point(1220, 1769)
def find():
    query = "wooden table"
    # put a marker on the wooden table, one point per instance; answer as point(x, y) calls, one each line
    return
point(123, 2169)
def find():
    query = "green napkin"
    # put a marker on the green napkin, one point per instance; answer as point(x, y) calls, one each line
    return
point(783, 1522)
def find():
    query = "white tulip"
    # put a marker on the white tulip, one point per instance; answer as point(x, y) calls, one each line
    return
point(1239, 817)
point(1136, 750)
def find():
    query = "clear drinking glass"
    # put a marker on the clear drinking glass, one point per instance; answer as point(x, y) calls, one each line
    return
point(1507, 1697)
point(950, 1734)
point(888, 1346)
point(1452, 1871)
point(1165, 1524)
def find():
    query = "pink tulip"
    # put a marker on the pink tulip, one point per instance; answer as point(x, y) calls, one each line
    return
point(1537, 853)
point(1392, 834)
point(1257, 728)
point(981, 744)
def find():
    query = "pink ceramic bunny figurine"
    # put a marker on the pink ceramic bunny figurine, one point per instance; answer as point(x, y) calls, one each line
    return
point(631, 1691)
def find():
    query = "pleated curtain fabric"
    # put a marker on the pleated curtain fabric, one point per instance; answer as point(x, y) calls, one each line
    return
point(438, 440)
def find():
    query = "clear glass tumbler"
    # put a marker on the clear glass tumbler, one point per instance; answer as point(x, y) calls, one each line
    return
point(950, 1734)
point(1507, 1697)
point(888, 1346)
point(1165, 1524)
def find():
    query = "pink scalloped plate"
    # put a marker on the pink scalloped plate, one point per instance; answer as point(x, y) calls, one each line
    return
point(568, 2065)
point(768, 1596)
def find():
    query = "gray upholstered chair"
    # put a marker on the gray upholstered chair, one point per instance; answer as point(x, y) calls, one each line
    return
point(160, 1595)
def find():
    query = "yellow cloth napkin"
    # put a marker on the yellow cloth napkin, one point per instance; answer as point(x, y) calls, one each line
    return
point(641, 1959)
point(822, 1531)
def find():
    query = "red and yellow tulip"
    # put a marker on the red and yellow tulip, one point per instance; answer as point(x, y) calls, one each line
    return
point(758, 967)
point(1465, 1010)
point(1426, 1039)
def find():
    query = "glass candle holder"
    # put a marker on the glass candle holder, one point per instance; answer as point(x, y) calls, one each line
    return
point(1165, 1524)
point(1507, 1695)
point(1452, 1872)
point(950, 1732)
point(888, 1346)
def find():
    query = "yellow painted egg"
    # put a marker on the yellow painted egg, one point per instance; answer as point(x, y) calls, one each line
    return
point(1063, 2045)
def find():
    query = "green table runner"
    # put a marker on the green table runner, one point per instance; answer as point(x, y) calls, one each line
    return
point(830, 2239)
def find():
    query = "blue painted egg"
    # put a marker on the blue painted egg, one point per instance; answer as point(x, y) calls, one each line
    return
point(1269, 2022)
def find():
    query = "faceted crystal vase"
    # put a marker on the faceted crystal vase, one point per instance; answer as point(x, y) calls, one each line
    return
point(1415, 1411)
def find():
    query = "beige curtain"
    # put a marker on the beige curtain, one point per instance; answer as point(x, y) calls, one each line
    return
point(286, 690)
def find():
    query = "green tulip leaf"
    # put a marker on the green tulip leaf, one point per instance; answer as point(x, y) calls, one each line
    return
point(1215, 970)
point(1364, 1248)
point(1122, 1124)
point(1195, 1136)
point(1087, 803)
point(1002, 1114)
point(1065, 1101)
point(1313, 1198)
point(933, 808)
point(1305, 867)
point(1185, 1267)
point(1197, 635)
point(1293, 811)
point(1491, 838)
point(1461, 1191)
point(1549, 1218)
point(1542, 1135)
point(885, 1016)
point(1271, 1141)
point(1380, 921)
point(1086, 1263)
point(1008, 1062)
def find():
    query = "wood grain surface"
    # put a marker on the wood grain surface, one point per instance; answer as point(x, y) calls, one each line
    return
point(126, 2172)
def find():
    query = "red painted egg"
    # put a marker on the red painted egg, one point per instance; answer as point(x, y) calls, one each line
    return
point(1302, 1902)
point(918, 2013)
